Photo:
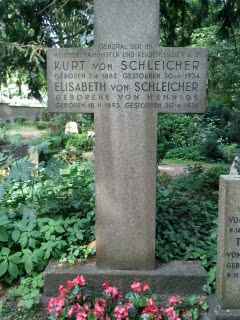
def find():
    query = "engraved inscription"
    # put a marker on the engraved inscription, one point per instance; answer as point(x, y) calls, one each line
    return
point(233, 256)
point(131, 77)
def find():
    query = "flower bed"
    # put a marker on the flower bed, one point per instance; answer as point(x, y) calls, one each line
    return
point(74, 303)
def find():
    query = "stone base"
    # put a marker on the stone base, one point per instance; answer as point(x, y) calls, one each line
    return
point(175, 278)
point(216, 313)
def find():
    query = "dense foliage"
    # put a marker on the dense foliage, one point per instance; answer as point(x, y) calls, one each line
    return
point(214, 136)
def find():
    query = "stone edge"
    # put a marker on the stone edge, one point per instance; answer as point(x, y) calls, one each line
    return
point(216, 313)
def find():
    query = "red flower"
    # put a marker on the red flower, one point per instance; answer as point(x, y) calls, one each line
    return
point(173, 301)
point(69, 285)
point(98, 311)
point(137, 287)
point(107, 284)
point(87, 308)
point(112, 292)
point(79, 281)
point(71, 311)
point(58, 303)
point(62, 291)
point(81, 316)
point(121, 313)
point(151, 307)
point(146, 287)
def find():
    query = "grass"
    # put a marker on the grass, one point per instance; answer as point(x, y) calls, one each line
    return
point(185, 162)
point(16, 128)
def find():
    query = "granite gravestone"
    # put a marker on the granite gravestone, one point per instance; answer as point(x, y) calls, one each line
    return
point(125, 80)
point(226, 305)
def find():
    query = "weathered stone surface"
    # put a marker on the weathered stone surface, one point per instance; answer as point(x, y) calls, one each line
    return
point(174, 278)
point(228, 256)
point(216, 313)
point(125, 158)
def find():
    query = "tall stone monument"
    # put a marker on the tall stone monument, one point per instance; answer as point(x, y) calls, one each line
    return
point(226, 305)
point(126, 80)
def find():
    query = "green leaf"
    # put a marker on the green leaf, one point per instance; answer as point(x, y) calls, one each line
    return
point(5, 251)
point(35, 234)
point(15, 258)
point(59, 229)
point(26, 303)
point(79, 235)
point(13, 269)
point(194, 313)
point(23, 241)
point(3, 267)
point(32, 243)
point(3, 220)
point(192, 300)
point(3, 234)
point(15, 235)
point(28, 266)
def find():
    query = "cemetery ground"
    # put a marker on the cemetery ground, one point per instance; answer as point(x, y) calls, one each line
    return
point(43, 217)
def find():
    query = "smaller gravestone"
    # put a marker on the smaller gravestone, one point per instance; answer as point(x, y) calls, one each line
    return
point(34, 158)
point(91, 134)
point(71, 127)
point(226, 304)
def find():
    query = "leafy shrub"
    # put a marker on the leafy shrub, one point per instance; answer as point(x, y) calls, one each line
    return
point(140, 303)
point(21, 120)
point(229, 152)
point(29, 291)
point(80, 142)
point(186, 153)
point(41, 125)
point(187, 209)
point(31, 243)
point(211, 147)
point(177, 131)
point(28, 239)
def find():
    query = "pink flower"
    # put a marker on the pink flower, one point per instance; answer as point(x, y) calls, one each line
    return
point(62, 291)
point(151, 308)
point(58, 303)
point(98, 310)
point(121, 313)
point(146, 287)
point(81, 316)
point(79, 281)
point(69, 285)
point(70, 312)
point(87, 308)
point(107, 284)
point(51, 304)
point(137, 287)
point(172, 314)
point(173, 301)
point(112, 292)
